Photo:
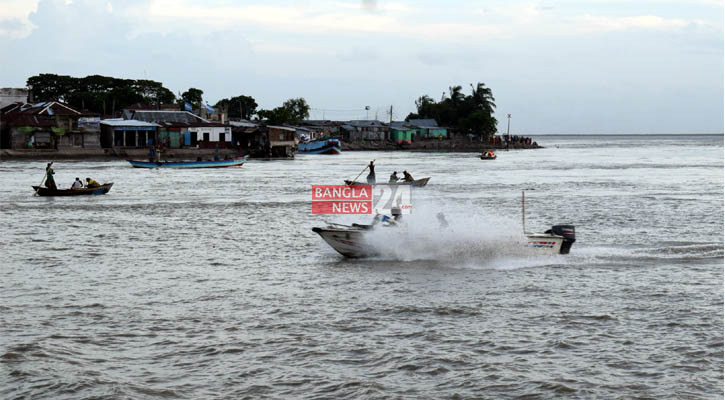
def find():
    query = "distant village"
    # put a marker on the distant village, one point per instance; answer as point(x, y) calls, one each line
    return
point(28, 127)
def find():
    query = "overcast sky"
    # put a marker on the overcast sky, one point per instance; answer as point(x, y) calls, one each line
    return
point(576, 66)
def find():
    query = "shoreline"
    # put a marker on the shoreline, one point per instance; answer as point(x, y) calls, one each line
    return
point(431, 146)
point(438, 146)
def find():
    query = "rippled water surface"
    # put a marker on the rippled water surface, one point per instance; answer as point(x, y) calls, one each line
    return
point(210, 283)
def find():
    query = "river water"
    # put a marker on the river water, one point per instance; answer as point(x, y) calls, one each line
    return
point(211, 284)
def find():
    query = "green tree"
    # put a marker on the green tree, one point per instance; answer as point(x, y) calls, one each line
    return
point(277, 116)
point(241, 106)
point(193, 97)
point(291, 112)
point(298, 107)
point(466, 113)
point(98, 93)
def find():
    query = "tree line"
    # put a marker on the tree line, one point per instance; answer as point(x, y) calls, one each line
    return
point(468, 114)
point(105, 95)
point(97, 93)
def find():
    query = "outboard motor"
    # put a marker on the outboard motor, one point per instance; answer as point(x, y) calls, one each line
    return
point(568, 233)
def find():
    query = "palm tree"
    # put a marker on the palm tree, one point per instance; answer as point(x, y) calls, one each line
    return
point(483, 97)
point(456, 96)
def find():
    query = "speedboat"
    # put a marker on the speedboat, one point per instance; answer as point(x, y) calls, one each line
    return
point(488, 155)
point(352, 241)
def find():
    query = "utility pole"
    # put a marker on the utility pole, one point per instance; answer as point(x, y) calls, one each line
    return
point(367, 112)
point(391, 113)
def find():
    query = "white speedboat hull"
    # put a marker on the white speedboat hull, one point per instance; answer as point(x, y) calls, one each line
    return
point(350, 240)
point(544, 243)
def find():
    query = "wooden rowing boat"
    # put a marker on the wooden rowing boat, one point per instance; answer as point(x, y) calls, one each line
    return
point(232, 162)
point(44, 191)
point(416, 183)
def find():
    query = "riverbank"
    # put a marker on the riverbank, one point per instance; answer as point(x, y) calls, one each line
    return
point(113, 154)
point(463, 146)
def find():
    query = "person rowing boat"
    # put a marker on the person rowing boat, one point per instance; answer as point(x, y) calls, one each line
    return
point(49, 180)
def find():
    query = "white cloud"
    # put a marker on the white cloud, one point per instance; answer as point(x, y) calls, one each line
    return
point(14, 22)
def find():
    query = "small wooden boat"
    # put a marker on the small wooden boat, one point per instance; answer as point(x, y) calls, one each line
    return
point(416, 183)
point(232, 162)
point(44, 191)
point(320, 146)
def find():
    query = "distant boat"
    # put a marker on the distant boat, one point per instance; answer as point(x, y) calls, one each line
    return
point(232, 162)
point(44, 191)
point(488, 155)
point(416, 183)
point(321, 146)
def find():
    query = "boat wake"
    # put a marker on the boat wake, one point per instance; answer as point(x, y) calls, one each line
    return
point(483, 240)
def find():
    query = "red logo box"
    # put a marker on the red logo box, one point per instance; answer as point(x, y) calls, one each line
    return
point(342, 199)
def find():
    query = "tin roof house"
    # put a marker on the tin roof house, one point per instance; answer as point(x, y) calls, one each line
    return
point(362, 130)
point(47, 125)
point(182, 128)
point(427, 128)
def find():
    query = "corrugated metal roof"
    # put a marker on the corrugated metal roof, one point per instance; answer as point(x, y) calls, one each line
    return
point(424, 123)
point(243, 124)
point(126, 122)
point(158, 116)
point(369, 122)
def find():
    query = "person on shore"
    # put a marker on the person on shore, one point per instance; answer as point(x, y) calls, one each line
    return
point(394, 177)
point(407, 177)
point(371, 175)
point(49, 180)
point(77, 184)
point(91, 183)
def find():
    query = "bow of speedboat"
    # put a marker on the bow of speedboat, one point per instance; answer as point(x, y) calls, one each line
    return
point(348, 241)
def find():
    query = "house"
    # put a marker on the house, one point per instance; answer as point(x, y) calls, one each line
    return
point(321, 128)
point(246, 134)
point(47, 125)
point(427, 128)
point(362, 130)
point(118, 132)
point(184, 128)
point(280, 141)
point(401, 132)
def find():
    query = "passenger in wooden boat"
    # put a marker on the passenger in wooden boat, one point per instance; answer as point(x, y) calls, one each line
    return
point(77, 184)
point(407, 177)
point(91, 183)
point(394, 177)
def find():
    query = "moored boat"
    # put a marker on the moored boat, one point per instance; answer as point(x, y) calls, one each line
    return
point(232, 162)
point(320, 146)
point(44, 191)
point(416, 183)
